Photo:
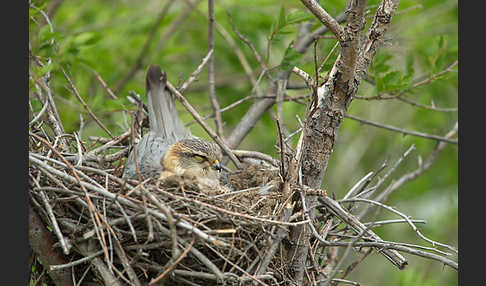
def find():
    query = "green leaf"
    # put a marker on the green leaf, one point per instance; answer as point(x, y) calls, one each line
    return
point(442, 42)
point(391, 81)
point(86, 39)
point(379, 64)
point(298, 16)
point(409, 61)
point(281, 19)
point(291, 58)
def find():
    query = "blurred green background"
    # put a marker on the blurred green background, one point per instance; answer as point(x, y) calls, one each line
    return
point(108, 37)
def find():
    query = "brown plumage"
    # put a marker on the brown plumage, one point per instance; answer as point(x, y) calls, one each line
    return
point(169, 148)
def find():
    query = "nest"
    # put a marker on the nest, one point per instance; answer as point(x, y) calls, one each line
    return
point(168, 232)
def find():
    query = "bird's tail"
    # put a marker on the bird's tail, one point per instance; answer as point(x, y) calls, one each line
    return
point(163, 117)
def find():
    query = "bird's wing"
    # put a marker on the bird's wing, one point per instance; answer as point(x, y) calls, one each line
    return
point(165, 127)
point(150, 151)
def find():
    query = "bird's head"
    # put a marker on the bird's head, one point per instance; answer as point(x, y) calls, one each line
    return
point(193, 157)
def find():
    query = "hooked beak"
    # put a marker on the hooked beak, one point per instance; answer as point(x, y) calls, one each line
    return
point(216, 165)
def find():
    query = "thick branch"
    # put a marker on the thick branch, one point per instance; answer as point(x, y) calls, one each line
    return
point(326, 19)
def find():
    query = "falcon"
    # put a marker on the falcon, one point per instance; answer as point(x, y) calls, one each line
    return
point(169, 148)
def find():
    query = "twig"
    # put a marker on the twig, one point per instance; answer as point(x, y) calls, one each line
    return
point(368, 192)
point(280, 235)
point(237, 267)
point(250, 45)
point(403, 131)
point(305, 76)
point(357, 185)
point(170, 220)
point(212, 91)
point(386, 245)
point(383, 222)
point(328, 56)
point(256, 155)
point(107, 276)
point(357, 226)
point(441, 109)
point(239, 54)
point(181, 256)
point(44, 108)
point(76, 93)
point(194, 74)
point(57, 230)
point(412, 225)
point(76, 262)
point(446, 70)
point(104, 85)
point(420, 170)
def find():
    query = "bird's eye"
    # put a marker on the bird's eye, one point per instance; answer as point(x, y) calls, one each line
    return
point(199, 158)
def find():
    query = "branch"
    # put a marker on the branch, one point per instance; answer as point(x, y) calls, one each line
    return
point(194, 74)
point(376, 32)
point(212, 92)
point(403, 131)
point(326, 19)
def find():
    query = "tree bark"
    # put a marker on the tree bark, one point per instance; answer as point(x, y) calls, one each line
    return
point(42, 243)
point(326, 113)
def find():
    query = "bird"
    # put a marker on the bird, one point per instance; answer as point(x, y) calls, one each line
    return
point(169, 148)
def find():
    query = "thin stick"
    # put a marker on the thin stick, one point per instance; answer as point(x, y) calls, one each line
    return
point(193, 76)
point(358, 226)
point(305, 76)
point(250, 45)
point(212, 91)
point(256, 155)
point(57, 230)
point(412, 225)
point(104, 85)
point(76, 262)
point(44, 108)
point(328, 56)
point(420, 170)
point(166, 271)
point(237, 267)
point(76, 93)
point(356, 186)
point(403, 131)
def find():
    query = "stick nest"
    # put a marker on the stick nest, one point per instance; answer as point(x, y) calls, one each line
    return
point(169, 231)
